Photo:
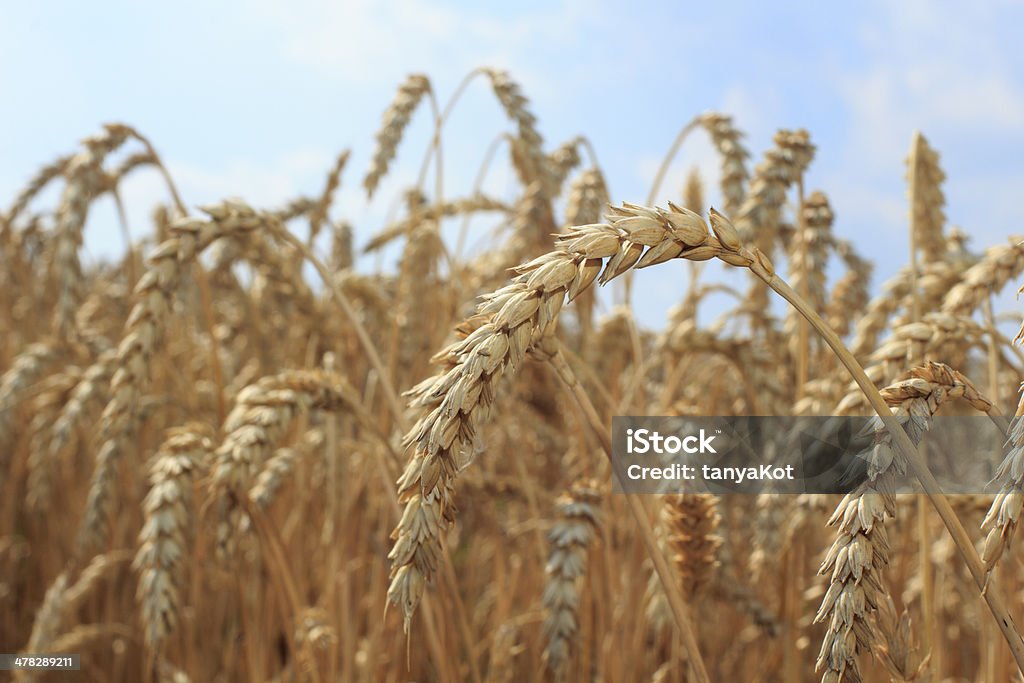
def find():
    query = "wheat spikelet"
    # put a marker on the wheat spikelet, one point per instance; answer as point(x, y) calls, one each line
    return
point(849, 296)
point(735, 588)
point(752, 359)
point(610, 346)
point(504, 650)
point(933, 282)
point(771, 513)
point(318, 214)
point(809, 252)
point(533, 222)
point(98, 568)
point(693, 191)
point(760, 217)
point(423, 300)
point(272, 477)
point(43, 177)
point(50, 395)
point(94, 381)
point(49, 616)
point(808, 258)
point(897, 649)
point(935, 335)
point(563, 160)
point(295, 208)
point(588, 197)
point(1000, 521)
point(85, 180)
point(341, 247)
point(110, 181)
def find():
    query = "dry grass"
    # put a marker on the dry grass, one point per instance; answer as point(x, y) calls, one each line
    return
point(239, 428)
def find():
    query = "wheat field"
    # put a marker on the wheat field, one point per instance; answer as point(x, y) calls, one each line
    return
point(243, 452)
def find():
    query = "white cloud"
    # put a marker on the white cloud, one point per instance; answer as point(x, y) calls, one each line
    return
point(938, 68)
point(933, 67)
point(362, 41)
point(888, 103)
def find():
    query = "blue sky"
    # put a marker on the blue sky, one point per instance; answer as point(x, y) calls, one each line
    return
point(253, 99)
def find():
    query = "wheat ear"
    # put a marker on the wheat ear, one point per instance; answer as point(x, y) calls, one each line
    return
point(1000, 522)
point(861, 548)
point(163, 541)
point(454, 403)
point(569, 540)
point(396, 119)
